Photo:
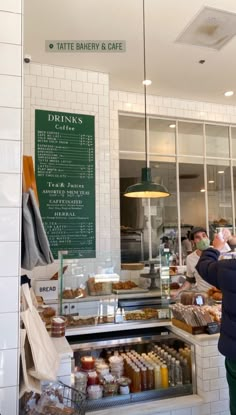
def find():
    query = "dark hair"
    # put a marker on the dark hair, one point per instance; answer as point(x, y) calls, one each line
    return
point(196, 230)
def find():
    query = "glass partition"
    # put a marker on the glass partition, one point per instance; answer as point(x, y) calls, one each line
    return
point(219, 195)
point(217, 141)
point(190, 138)
point(192, 195)
point(132, 138)
point(164, 213)
point(233, 135)
point(201, 192)
point(162, 136)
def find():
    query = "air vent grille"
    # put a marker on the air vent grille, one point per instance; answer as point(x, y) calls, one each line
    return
point(211, 28)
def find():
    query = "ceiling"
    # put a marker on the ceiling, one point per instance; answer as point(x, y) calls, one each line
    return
point(172, 67)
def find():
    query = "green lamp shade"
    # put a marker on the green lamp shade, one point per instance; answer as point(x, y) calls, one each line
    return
point(146, 188)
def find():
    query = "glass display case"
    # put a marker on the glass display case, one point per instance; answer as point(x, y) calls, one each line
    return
point(94, 290)
point(130, 368)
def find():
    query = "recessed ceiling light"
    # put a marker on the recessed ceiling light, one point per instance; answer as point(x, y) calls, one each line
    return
point(211, 181)
point(202, 190)
point(229, 93)
point(147, 82)
point(221, 172)
point(202, 113)
point(172, 125)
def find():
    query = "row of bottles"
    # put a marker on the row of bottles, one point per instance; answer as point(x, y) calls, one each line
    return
point(178, 363)
point(144, 372)
point(162, 367)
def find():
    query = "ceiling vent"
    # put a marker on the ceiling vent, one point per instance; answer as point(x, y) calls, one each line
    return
point(211, 28)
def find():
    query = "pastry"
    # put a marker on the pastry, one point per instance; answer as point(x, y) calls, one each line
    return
point(217, 296)
point(67, 294)
point(124, 285)
point(48, 312)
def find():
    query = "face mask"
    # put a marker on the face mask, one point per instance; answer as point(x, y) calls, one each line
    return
point(203, 244)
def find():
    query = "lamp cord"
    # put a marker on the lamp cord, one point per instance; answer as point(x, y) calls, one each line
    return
point(145, 87)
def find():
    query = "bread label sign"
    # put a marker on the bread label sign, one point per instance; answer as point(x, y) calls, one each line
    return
point(46, 289)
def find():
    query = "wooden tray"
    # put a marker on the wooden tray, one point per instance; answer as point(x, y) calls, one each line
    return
point(189, 329)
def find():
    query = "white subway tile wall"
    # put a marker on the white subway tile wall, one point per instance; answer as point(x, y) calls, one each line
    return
point(10, 200)
point(77, 91)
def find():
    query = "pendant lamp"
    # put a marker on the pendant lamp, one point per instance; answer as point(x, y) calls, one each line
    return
point(146, 188)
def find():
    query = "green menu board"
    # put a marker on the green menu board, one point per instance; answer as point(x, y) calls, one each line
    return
point(65, 175)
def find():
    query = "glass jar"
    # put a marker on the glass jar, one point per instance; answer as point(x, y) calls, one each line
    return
point(87, 362)
point(92, 378)
point(58, 326)
point(110, 389)
point(124, 383)
point(81, 379)
point(95, 391)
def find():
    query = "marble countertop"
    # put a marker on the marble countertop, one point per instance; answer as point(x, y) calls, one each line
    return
point(200, 339)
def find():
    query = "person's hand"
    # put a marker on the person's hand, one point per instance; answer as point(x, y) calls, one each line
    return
point(174, 293)
point(226, 234)
point(220, 239)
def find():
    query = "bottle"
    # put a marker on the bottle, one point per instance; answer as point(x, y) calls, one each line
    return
point(150, 377)
point(178, 373)
point(186, 372)
point(168, 363)
point(164, 376)
point(172, 372)
point(131, 377)
point(157, 376)
point(144, 379)
point(118, 316)
point(137, 380)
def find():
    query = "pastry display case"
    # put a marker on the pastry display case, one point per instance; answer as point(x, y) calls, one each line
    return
point(94, 290)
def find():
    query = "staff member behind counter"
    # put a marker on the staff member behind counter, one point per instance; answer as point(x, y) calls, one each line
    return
point(201, 242)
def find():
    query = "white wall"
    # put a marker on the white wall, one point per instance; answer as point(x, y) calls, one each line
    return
point(77, 91)
point(10, 199)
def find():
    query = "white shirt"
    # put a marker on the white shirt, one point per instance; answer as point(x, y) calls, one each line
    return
point(186, 247)
point(192, 260)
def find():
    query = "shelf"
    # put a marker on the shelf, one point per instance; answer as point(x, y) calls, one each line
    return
point(149, 294)
point(111, 327)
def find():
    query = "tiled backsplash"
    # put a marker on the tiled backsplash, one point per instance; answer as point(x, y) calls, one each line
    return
point(10, 200)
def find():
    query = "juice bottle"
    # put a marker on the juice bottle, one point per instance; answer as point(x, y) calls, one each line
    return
point(150, 377)
point(144, 379)
point(137, 380)
point(164, 376)
point(157, 376)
